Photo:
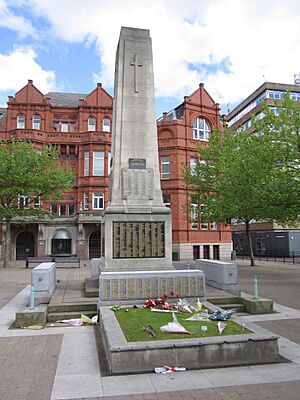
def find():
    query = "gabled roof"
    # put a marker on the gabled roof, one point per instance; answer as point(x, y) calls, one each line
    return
point(59, 99)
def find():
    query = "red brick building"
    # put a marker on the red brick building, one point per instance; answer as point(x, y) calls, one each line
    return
point(80, 126)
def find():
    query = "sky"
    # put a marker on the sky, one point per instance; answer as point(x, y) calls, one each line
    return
point(232, 46)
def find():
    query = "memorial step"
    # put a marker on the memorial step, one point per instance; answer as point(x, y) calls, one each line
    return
point(72, 307)
point(238, 307)
point(58, 316)
point(224, 300)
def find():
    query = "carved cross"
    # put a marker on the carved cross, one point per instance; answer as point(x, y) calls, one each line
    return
point(135, 64)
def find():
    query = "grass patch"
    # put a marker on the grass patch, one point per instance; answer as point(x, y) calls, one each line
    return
point(133, 321)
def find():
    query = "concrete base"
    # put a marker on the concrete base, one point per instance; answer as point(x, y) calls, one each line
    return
point(259, 347)
point(28, 317)
point(257, 306)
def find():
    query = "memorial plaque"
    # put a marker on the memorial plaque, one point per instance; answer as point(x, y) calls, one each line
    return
point(131, 288)
point(184, 286)
point(170, 285)
point(147, 288)
point(193, 287)
point(114, 289)
point(177, 285)
point(138, 240)
point(162, 286)
point(106, 289)
point(139, 288)
point(137, 184)
point(154, 288)
point(123, 289)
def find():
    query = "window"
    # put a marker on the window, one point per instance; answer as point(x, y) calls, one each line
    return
point(56, 126)
point(167, 200)
point(201, 129)
point(37, 202)
point(71, 209)
point(204, 224)
point(193, 163)
point(98, 163)
point(91, 124)
point(63, 210)
point(86, 163)
point(98, 201)
point(194, 213)
point(213, 226)
point(64, 127)
point(23, 201)
point(54, 208)
point(86, 201)
point(108, 162)
point(21, 121)
point(165, 167)
point(106, 125)
point(72, 124)
point(36, 122)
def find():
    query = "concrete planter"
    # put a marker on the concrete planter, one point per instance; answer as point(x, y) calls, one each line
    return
point(259, 347)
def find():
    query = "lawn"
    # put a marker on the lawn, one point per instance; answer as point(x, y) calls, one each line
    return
point(134, 320)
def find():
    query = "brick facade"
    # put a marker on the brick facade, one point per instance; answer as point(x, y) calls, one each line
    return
point(80, 126)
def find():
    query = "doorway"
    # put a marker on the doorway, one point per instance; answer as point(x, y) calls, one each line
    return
point(61, 243)
point(206, 252)
point(216, 252)
point(196, 252)
point(95, 245)
point(24, 245)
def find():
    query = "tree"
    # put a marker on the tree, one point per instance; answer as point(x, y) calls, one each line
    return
point(250, 176)
point(28, 174)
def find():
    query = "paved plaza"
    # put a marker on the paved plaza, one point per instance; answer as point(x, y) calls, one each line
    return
point(62, 362)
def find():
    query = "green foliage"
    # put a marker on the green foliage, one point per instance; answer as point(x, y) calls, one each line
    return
point(26, 171)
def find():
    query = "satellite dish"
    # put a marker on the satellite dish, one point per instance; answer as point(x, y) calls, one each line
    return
point(297, 79)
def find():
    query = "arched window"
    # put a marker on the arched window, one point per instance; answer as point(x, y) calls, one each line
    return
point(36, 122)
point(91, 124)
point(21, 121)
point(106, 125)
point(201, 129)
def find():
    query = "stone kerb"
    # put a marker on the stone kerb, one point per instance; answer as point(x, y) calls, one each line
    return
point(137, 286)
point(219, 274)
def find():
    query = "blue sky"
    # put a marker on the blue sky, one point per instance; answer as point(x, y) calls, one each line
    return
point(230, 45)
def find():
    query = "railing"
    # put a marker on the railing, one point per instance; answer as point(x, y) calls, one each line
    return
point(284, 258)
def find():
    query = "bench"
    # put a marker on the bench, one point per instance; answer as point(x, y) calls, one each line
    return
point(57, 259)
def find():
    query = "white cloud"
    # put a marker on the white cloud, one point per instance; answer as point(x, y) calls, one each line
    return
point(260, 39)
point(8, 19)
point(19, 66)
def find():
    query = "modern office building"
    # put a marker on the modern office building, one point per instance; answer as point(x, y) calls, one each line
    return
point(80, 126)
point(269, 239)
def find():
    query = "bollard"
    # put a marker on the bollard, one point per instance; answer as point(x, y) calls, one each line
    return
point(255, 287)
point(32, 297)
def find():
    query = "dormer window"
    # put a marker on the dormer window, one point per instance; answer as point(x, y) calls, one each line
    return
point(106, 125)
point(21, 121)
point(201, 129)
point(36, 122)
point(92, 124)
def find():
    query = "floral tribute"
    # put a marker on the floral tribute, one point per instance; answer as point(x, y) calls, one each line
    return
point(161, 302)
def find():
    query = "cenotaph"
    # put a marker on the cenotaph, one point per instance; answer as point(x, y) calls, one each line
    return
point(137, 225)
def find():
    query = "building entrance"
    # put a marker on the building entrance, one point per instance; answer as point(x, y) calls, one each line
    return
point(95, 245)
point(61, 243)
point(24, 245)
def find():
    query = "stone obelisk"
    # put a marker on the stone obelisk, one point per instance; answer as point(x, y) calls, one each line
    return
point(137, 223)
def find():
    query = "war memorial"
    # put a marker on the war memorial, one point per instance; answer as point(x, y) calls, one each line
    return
point(137, 263)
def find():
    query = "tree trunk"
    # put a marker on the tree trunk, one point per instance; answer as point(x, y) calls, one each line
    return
point(249, 240)
point(6, 242)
